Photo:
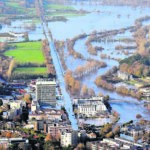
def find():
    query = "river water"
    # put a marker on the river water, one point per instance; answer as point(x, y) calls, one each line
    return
point(103, 18)
point(100, 18)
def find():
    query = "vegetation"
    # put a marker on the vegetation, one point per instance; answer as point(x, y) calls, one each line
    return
point(27, 53)
point(72, 85)
point(28, 60)
point(58, 7)
point(29, 72)
point(100, 82)
point(137, 65)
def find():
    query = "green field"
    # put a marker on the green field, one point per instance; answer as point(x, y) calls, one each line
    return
point(65, 14)
point(31, 71)
point(27, 52)
point(58, 7)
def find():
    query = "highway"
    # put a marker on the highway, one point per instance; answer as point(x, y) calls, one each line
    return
point(59, 71)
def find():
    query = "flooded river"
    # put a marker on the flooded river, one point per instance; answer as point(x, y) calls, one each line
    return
point(99, 18)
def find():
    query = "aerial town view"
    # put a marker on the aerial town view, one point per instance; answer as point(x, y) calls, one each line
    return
point(74, 74)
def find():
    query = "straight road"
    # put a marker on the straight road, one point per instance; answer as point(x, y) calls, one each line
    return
point(59, 70)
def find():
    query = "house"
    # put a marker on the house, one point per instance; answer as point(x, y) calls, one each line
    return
point(145, 92)
point(55, 128)
point(69, 137)
point(124, 76)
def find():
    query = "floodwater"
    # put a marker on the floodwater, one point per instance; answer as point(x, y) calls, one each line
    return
point(103, 18)
point(100, 18)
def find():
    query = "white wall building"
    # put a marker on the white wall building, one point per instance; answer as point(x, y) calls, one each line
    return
point(69, 137)
point(90, 107)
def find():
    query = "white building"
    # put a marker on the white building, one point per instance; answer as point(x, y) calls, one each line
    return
point(34, 106)
point(124, 75)
point(69, 137)
point(46, 92)
point(17, 104)
point(90, 107)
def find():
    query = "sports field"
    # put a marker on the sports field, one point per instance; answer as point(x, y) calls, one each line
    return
point(27, 52)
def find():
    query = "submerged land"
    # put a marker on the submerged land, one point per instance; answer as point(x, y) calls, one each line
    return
point(95, 51)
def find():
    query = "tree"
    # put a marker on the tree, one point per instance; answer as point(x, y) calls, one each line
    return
point(138, 116)
point(49, 137)
point(106, 129)
point(80, 146)
point(8, 134)
point(116, 130)
point(136, 138)
point(84, 90)
point(48, 146)
point(109, 135)
point(100, 94)
point(1, 102)
point(21, 146)
point(27, 98)
point(11, 68)
point(106, 97)
point(91, 92)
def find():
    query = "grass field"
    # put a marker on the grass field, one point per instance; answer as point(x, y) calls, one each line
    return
point(31, 70)
point(27, 52)
point(67, 14)
point(58, 7)
point(29, 73)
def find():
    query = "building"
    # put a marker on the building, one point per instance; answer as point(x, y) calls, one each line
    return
point(46, 92)
point(55, 128)
point(10, 114)
point(39, 125)
point(6, 142)
point(145, 92)
point(69, 137)
point(34, 106)
point(116, 144)
point(90, 107)
point(46, 114)
point(17, 104)
point(124, 75)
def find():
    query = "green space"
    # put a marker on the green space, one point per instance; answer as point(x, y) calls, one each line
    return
point(31, 70)
point(61, 10)
point(58, 7)
point(27, 52)
point(137, 58)
point(18, 7)
point(29, 60)
point(65, 14)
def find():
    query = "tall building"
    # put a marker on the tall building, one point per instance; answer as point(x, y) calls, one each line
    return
point(46, 92)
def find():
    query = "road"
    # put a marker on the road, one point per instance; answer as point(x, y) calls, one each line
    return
point(59, 71)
